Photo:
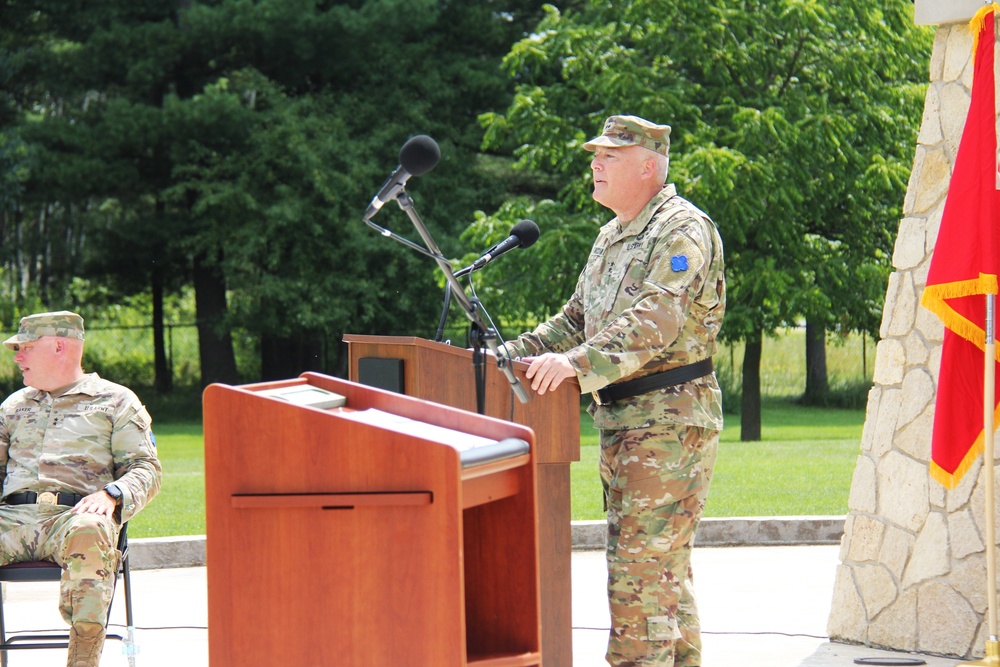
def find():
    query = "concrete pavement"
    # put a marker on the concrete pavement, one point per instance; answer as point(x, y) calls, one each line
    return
point(761, 606)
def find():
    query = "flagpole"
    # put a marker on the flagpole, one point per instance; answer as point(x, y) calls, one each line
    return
point(992, 658)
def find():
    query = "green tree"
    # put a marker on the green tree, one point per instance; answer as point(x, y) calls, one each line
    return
point(234, 144)
point(793, 127)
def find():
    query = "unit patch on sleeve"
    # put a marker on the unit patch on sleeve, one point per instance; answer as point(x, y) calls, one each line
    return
point(685, 260)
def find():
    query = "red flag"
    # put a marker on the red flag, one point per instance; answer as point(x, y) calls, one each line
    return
point(963, 269)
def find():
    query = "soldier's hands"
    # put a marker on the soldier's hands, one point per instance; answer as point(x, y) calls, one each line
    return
point(96, 503)
point(547, 371)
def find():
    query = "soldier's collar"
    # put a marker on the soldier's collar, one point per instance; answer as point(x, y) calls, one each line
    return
point(81, 386)
point(639, 223)
point(68, 389)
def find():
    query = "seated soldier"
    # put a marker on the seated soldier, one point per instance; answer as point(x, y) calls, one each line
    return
point(77, 459)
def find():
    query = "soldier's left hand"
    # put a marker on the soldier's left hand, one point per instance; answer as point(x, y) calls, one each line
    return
point(96, 503)
point(547, 371)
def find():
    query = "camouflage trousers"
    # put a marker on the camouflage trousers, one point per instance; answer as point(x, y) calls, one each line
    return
point(656, 480)
point(84, 545)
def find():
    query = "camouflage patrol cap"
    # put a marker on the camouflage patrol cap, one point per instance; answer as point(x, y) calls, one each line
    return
point(632, 131)
point(63, 324)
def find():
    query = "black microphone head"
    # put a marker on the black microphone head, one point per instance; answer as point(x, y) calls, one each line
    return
point(419, 155)
point(527, 231)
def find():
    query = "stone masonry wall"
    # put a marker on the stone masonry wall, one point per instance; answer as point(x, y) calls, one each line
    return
point(913, 571)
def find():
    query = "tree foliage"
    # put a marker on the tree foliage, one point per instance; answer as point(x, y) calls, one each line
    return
point(233, 145)
point(794, 124)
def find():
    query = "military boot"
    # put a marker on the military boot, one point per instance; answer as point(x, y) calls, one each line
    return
point(86, 640)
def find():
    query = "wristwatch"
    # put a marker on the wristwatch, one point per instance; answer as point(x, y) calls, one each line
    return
point(113, 491)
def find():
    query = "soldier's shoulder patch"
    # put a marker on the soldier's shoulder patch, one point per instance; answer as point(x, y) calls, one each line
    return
point(683, 258)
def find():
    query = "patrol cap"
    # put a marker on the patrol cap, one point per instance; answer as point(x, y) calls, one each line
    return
point(63, 324)
point(632, 131)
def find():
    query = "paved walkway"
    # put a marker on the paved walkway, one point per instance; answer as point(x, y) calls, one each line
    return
point(760, 607)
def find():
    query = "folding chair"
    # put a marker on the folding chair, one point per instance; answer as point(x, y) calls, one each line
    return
point(49, 571)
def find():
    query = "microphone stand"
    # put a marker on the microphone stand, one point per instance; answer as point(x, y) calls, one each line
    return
point(482, 335)
point(477, 338)
point(477, 341)
point(444, 313)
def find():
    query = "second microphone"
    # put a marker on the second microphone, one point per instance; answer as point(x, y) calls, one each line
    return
point(522, 235)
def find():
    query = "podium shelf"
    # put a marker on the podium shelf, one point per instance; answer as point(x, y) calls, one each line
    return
point(481, 490)
point(531, 659)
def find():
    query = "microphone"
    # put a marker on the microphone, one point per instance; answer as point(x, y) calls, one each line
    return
point(522, 235)
point(418, 155)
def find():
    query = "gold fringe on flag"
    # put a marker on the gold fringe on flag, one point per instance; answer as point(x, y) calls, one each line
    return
point(950, 480)
point(934, 299)
point(976, 25)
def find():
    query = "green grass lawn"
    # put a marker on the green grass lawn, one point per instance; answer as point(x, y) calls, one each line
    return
point(179, 509)
point(802, 466)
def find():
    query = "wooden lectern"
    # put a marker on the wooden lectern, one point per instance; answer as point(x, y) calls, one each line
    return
point(444, 374)
point(389, 531)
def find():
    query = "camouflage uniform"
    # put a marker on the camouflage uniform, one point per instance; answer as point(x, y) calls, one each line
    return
point(75, 441)
point(650, 298)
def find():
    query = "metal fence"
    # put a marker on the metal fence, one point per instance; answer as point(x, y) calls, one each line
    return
point(125, 354)
point(850, 363)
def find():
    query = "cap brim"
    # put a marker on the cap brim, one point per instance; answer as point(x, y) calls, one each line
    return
point(15, 340)
point(606, 142)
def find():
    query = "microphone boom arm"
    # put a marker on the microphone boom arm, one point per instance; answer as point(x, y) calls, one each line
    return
point(407, 242)
point(458, 293)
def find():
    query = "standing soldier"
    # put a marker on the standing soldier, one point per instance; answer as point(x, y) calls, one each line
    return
point(639, 333)
point(77, 459)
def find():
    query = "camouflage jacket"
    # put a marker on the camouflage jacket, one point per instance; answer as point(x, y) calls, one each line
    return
point(95, 433)
point(650, 298)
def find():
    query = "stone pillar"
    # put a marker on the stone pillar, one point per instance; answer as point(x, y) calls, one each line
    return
point(913, 571)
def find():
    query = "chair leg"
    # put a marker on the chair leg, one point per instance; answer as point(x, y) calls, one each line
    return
point(129, 648)
point(3, 628)
point(127, 579)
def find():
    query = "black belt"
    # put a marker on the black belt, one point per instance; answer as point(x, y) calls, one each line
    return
point(647, 383)
point(45, 498)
